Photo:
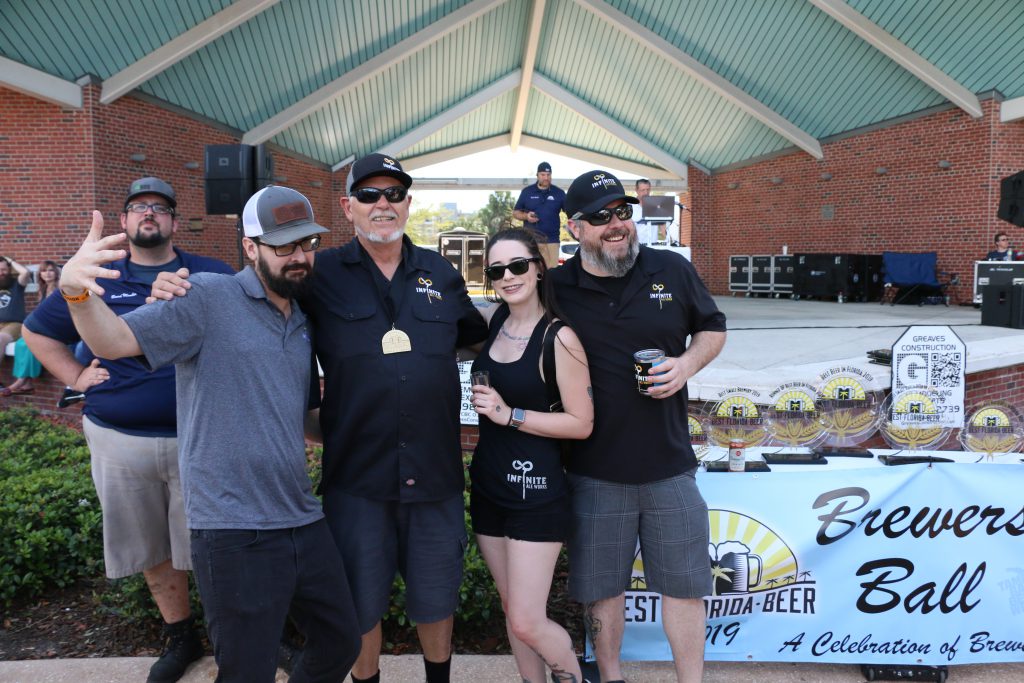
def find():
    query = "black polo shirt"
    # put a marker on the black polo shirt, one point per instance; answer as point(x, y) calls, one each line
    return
point(636, 439)
point(391, 421)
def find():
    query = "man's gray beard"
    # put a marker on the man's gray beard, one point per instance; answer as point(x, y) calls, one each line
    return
point(614, 267)
point(380, 239)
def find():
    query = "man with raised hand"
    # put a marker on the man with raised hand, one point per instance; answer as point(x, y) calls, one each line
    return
point(246, 394)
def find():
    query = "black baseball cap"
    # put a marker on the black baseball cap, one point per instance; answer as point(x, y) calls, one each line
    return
point(375, 165)
point(151, 186)
point(279, 215)
point(543, 167)
point(592, 191)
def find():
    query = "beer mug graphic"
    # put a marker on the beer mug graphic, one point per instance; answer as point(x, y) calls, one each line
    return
point(734, 568)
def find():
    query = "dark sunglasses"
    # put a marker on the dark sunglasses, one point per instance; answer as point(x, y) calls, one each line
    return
point(371, 195)
point(604, 216)
point(516, 267)
point(308, 244)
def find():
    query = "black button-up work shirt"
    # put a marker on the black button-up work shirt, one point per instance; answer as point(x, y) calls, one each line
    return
point(391, 421)
point(636, 439)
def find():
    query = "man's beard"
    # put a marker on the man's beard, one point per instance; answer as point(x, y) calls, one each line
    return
point(7, 281)
point(615, 267)
point(282, 285)
point(149, 240)
point(377, 238)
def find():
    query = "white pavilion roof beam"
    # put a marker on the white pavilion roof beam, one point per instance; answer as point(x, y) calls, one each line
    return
point(1011, 110)
point(602, 120)
point(428, 128)
point(883, 41)
point(529, 60)
point(373, 66)
point(172, 52)
point(601, 160)
point(430, 158)
point(706, 76)
point(39, 84)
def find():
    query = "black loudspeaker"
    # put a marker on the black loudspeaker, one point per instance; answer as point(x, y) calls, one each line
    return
point(1011, 199)
point(1003, 305)
point(229, 178)
point(263, 167)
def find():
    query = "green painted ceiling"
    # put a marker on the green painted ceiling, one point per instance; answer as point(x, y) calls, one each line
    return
point(608, 77)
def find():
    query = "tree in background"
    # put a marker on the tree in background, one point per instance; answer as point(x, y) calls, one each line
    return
point(498, 212)
point(425, 224)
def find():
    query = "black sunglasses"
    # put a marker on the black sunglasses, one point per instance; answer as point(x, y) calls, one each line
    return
point(516, 267)
point(371, 195)
point(604, 216)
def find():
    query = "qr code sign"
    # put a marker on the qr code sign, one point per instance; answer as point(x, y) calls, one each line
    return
point(945, 369)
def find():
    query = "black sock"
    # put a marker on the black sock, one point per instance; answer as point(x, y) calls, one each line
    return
point(438, 672)
point(375, 678)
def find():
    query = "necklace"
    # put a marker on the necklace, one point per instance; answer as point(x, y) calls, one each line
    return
point(519, 342)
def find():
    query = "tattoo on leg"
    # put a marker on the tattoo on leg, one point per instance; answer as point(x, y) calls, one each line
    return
point(591, 624)
point(558, 674)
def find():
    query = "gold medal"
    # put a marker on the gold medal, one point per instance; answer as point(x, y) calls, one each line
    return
point(395, 341)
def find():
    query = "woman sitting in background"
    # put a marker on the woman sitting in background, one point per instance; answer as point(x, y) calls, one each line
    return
point(26, 367)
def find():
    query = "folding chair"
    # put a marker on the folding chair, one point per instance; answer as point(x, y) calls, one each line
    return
point(907, 274)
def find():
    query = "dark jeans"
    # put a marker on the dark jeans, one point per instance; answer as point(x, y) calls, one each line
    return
point(250, 579)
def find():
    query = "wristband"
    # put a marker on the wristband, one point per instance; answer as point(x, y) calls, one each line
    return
point(509, 417)
point(76, 299)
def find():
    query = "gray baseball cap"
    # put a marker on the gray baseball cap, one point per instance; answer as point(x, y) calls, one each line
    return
point(151, 186)
point(279, 215)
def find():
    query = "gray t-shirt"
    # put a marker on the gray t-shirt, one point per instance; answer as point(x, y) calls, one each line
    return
point(243, 388)
point(12, 303)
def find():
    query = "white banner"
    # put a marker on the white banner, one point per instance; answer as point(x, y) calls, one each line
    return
point(907, 564)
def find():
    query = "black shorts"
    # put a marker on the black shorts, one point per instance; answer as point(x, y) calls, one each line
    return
point(546, 523)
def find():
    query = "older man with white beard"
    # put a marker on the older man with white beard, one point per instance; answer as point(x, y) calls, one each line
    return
point(634, 476)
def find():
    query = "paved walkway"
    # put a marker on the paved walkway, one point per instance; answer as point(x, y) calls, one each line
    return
point(476, 668)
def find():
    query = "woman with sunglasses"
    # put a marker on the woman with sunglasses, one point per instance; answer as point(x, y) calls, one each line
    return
point(520, 499)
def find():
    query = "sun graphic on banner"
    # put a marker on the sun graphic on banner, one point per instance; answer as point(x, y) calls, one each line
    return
point(745, 555)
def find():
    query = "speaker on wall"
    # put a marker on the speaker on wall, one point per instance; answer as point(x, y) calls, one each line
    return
point(233, 174)
point(1011, 199)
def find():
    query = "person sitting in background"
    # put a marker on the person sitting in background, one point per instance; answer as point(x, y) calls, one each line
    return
point(14, 277)
point(1002, 252)
point(26, 367)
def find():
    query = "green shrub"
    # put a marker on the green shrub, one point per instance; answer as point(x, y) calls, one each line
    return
point(50, 519)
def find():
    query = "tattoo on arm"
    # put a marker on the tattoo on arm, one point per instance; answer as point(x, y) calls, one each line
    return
point(590, 393)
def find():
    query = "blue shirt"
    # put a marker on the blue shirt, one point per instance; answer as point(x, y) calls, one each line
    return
point(547, 204)
point(134, 400)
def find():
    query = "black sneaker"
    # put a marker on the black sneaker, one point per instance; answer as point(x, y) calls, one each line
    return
point(70, 397)
point(184, 646)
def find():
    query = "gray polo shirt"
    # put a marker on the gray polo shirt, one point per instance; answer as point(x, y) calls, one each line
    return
point(243, 388)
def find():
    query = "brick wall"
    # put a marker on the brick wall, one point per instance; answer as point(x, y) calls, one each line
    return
point(914, 206)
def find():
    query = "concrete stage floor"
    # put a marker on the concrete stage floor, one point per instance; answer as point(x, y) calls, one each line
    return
point(774, 341)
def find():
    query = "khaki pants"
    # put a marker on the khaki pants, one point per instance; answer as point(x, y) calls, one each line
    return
point(549, 250)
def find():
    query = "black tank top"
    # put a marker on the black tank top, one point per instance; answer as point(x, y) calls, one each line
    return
point(511, 467)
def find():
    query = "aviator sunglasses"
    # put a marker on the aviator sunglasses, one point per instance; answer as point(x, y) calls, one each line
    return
point(516, 267)
point(371, 195)
point(604, 216)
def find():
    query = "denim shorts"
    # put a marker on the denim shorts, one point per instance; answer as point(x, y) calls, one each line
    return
point(669, 517)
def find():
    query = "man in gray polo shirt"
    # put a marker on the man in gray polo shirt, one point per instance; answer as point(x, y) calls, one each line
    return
point(243, 355)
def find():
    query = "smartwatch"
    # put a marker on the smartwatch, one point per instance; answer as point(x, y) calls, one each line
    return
point(518, 418)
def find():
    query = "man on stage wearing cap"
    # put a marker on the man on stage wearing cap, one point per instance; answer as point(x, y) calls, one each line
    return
point(130, 425)
point(247, 393)
point(389, 317)
point(634, 476)
point(539, 207)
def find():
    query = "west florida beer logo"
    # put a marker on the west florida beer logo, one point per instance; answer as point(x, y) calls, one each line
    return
point(848, 407)
point(698, 435)
point(736, 416)
point(995, 427)
point(753, 571)
point(910, 419)
point(791, 415)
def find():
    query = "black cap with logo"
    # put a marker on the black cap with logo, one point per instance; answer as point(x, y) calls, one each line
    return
point(592, 191)
point(376, 165)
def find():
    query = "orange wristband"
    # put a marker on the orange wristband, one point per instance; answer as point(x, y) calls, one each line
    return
point(76, 299)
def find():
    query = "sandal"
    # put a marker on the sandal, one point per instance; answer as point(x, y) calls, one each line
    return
point(21, 391)
point(5, 392)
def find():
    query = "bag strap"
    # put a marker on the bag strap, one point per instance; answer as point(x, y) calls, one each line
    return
point(548, 361)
